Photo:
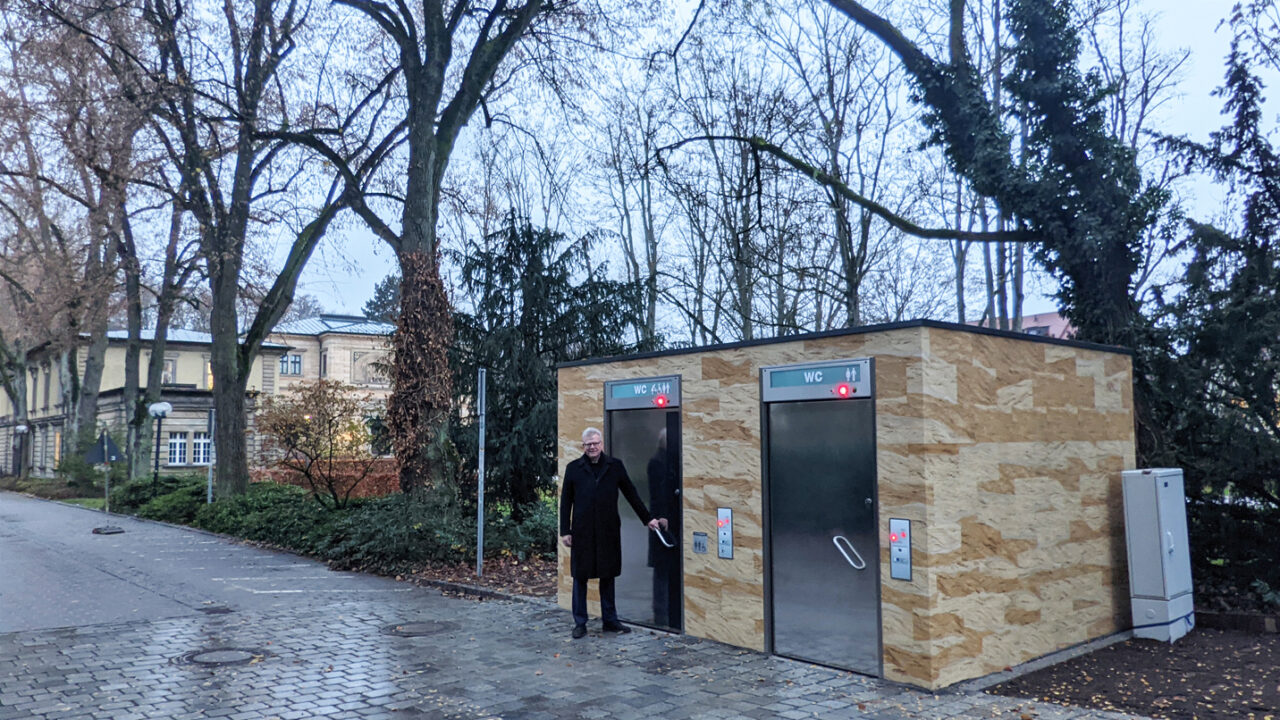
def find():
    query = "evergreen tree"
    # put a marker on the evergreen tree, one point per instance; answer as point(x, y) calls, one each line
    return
point(384, 306)
point(538, 301)
point(1215, 354)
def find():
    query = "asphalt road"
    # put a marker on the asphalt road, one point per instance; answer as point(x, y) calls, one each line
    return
point(54, 572)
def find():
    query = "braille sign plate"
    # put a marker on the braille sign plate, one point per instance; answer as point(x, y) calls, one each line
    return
point(839, 380)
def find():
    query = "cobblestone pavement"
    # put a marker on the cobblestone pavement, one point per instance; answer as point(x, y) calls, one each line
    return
point(343, 649)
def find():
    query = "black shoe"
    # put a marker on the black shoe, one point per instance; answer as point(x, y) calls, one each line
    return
point(579, 631)
point(616, 627)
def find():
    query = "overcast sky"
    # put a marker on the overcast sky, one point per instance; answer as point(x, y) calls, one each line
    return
point(346, 267)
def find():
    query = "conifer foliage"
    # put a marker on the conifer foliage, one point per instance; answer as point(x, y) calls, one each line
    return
point(537, 300)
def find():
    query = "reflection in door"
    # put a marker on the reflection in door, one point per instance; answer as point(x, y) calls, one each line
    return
point(647, 442)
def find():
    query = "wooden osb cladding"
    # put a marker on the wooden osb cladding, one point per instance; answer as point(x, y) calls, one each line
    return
point(1004, 452)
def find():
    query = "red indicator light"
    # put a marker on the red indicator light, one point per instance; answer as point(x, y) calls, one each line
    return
point(660, 401)
point(893, 538)
point(843, 390)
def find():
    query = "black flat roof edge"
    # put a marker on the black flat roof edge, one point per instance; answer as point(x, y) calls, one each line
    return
point(884, 327)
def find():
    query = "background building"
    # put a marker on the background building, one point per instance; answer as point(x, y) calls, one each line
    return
point(339, 347)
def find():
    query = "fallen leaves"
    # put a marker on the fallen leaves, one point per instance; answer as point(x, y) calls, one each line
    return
point(532, 577)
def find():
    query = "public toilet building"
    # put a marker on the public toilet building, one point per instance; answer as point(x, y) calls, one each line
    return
point(922, 501)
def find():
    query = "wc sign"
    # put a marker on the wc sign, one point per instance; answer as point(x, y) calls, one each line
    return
point(838, 380)
point(640, 393)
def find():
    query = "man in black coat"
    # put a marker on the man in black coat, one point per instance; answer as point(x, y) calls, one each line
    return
point(591, 529)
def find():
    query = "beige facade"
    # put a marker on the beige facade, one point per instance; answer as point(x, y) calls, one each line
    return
point(350, 346)
point(1005, 453)
point(345, 348)
point(187, 379)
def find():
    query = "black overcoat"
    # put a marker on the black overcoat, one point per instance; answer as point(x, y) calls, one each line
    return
point(589, 512)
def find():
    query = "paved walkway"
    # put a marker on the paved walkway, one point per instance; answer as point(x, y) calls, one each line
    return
point(138, 626)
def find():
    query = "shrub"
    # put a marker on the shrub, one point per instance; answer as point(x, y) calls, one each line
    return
point(178, 506)
point(383, 478)
point(282, 515)
point(398, 533)
point(316, 431)
point(540, 529)
point(129, 497)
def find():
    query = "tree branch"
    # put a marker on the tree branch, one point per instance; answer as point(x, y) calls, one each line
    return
point(843, 190)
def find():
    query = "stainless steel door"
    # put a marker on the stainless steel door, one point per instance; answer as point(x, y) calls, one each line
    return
point(824, 548)
point(649, 591)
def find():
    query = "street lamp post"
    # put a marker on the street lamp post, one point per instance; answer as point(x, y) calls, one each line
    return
point(159, 411)
point(21, 432)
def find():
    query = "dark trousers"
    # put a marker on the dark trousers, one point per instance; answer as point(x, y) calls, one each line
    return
point(608, 608)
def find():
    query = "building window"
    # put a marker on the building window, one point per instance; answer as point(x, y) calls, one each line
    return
point(367, 368)
point(177, 448)
point(324, 364)
point(48, 378)
point(170, 373)
point(290, 364)
point(57, 447)
point(208, 374)
point(1041, 330)
point(200, 448)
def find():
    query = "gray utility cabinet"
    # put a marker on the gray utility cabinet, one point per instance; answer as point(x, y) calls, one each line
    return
point(1155, 513)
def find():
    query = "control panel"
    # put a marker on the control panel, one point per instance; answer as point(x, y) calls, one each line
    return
point(724, 533)
point(899, 549)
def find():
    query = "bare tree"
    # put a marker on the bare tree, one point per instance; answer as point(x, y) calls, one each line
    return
point(439, 97)
point(218, 82)
point(634, 185)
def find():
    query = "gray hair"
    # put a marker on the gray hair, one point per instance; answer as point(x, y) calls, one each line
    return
point(589, 432)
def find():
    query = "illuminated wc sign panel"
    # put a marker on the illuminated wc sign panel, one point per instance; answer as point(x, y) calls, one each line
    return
point(642, 393)
point(828, 380)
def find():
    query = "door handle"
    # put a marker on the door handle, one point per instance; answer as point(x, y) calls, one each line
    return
point(860, 564)
point(662, 538)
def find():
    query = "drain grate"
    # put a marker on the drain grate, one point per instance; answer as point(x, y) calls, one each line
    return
point(418, 629)
point(215, 610)
point(216, 657)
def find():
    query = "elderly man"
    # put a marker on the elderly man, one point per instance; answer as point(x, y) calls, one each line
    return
point(590, 527)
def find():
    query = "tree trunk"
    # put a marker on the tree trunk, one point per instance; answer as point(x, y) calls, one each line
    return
point(132, 353)
point(86, 408)
point(421, 385)
point(960, 253)
point(1002, 282)
point(232, 471)
point(1018, 292)
point(231, 380)
point(20, 409)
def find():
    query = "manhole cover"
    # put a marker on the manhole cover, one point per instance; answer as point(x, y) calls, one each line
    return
point(222, 656)
point(417, 629)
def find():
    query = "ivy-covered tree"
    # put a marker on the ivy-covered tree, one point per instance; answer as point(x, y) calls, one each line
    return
point(1215, 355)
point(538, 300)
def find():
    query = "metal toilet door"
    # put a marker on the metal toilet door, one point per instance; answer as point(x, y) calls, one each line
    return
point(647, 441)
point(824, 545)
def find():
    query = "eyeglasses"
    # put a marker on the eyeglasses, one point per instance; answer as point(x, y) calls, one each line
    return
point(597, 443)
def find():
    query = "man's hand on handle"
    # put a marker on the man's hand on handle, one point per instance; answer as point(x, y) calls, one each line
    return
point(656, 523)
point(567, 540)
